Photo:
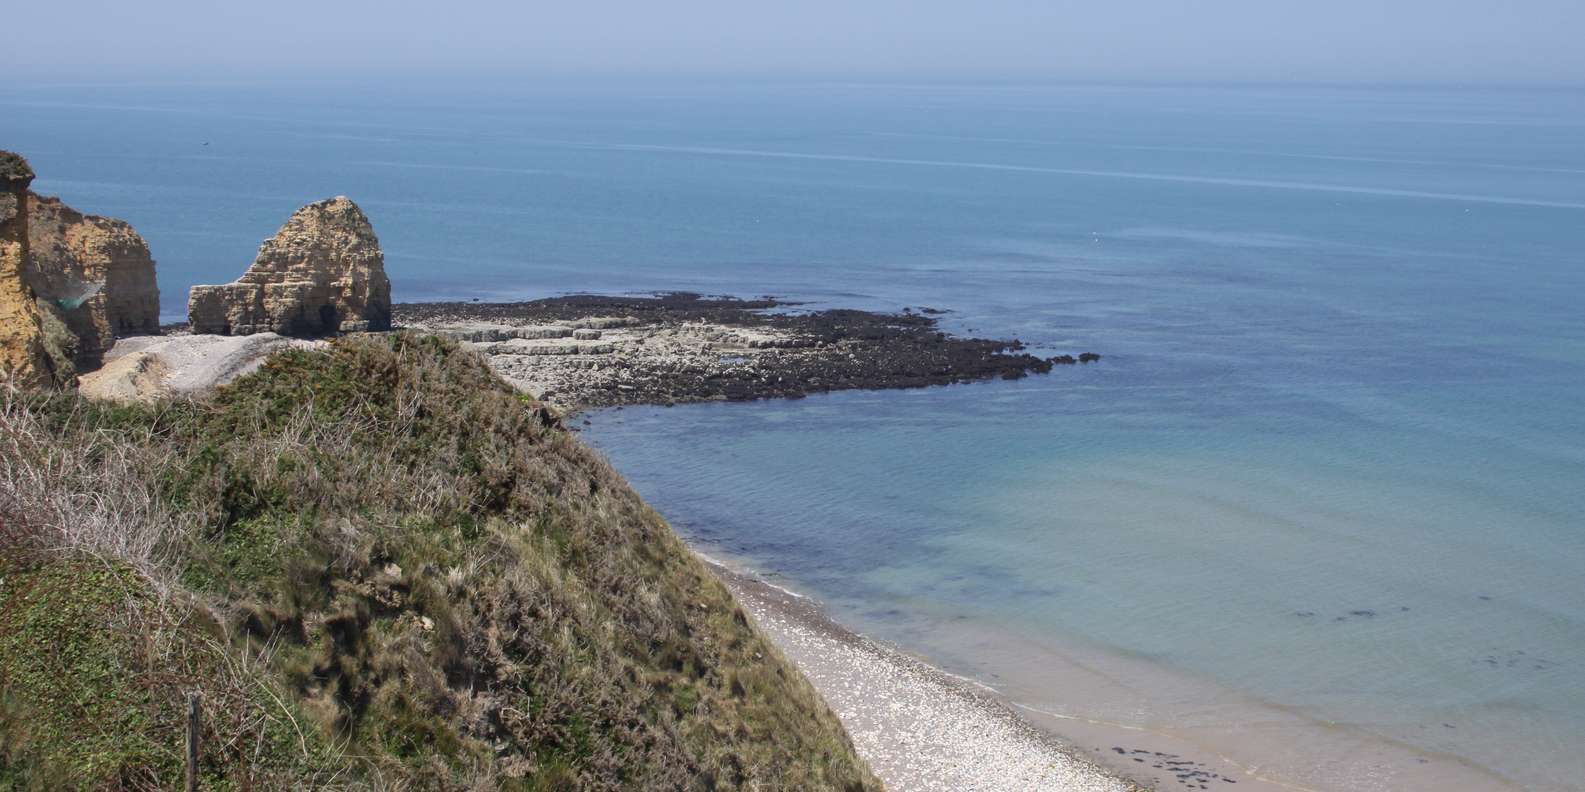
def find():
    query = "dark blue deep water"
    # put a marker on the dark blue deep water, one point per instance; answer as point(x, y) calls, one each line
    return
point(1334, 458)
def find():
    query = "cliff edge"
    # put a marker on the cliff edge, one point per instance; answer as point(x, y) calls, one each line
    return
point(70, 283)
point(377, 566)
point(23, 344)
point(96, 272)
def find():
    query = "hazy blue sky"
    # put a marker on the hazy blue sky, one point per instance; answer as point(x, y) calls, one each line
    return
point(1107, 39)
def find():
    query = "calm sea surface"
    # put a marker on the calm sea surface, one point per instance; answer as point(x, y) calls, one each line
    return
point(1334, 458)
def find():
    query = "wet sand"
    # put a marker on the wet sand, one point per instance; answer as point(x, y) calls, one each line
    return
point(922, 728)
point(1103, 701)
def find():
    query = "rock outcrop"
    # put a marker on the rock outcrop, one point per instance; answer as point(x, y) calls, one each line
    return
point(584, 350)
point(95, 272)
point(23, 343)
point(322, 273)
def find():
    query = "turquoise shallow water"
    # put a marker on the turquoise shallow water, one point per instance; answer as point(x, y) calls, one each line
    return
point(1334, 457)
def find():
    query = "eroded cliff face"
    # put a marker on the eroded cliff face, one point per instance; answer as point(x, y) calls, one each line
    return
point(321, 273)
point(95, 272)
point(23, 350)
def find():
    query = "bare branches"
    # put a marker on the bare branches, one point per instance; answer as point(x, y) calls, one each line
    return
point(95, 492)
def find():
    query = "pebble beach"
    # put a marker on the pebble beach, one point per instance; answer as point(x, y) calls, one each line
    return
point(919, 728)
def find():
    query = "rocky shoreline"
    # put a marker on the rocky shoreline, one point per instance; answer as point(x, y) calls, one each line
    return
point(66, 296)
point(588, 351)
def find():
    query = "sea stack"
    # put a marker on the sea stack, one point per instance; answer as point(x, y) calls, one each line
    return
point(22, 343)
point(322, 273)
point(95, 273)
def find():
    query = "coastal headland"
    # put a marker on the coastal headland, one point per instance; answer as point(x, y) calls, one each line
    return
point(422, 447)
point(588, 351)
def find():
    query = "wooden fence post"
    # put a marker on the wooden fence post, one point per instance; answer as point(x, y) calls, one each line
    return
point(192, 742)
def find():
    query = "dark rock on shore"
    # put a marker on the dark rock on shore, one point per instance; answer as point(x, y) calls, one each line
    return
point(685, 347)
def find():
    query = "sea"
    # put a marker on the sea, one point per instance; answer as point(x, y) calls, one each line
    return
point(1331, 466)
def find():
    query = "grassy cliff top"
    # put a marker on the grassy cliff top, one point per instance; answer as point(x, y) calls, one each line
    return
point(15, 173)
point(380, 567)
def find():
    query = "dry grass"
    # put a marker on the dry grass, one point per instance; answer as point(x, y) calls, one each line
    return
point(417, 578)
point(92, 494)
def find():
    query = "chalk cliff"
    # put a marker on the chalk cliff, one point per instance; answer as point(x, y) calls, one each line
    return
point(96, 272)
point(322, 273)
point(22, 335)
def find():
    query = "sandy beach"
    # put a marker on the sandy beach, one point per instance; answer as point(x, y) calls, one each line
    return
point(922, 728)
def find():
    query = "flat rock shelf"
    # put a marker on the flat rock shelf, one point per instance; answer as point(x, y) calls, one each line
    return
point(587, 351)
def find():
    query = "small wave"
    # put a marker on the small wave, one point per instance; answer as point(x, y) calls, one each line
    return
point(748, 573)
point(782, 589)
point(1234, 151)
point(967, 680)
point(450, 167)
point(1223, 181)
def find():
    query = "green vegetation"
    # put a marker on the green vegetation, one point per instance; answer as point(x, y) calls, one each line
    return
point(380, 568)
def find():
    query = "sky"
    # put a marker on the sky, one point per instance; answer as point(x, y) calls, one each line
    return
point(1254, 40)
